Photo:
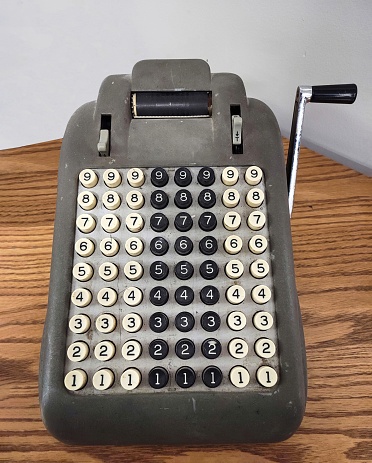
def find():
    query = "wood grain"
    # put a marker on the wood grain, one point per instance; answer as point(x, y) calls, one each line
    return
point(332, 236)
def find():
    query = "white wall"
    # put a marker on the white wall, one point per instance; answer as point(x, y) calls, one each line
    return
point(55, 53)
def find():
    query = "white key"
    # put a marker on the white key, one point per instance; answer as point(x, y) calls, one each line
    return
point(108, 271)
point(267, 376)
point(107, 297)
point(106, 323)
point(239, 376)
point(130, 379)
point(232, 220)
point(259, 268)
point(261, 294)
point(263, 321)
point(86, 223)
point(75, 380)
point(111, 200)
point(82, 271)
point(103, 379)
point(112, 178)
point(234, 269)
point(135, 177)
point(133, 270)
point(238, 348)
point(132, 322)
point(132, 296)
point(233, 244)
point(109, 247)
point(231, 197)
point(84, 247)
point(81, 297)
point(110, 223)
point(256, 220)
point(235, 294)
point(230, 176)
point(78, 351)
point(104, 350)
point(134, 222)
point(79, 323)
point(253, 175)
point(131, 350)
point(257, 244)
point(135, 199)
point(134, 246)
point(88, 178)
point(87, 200)
point(236, 321)
point(255, 197)
point(264, 348)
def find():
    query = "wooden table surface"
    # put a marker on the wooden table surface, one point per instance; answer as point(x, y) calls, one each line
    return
point(332, 234)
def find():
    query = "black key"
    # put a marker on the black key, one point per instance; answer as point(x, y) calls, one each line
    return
point(183, 222)
point(185, 349)
point(211, 348)
point(182, 176)
point(158, 322)
point(206, 176)
point(159, 270)
point(184, 322)
point(159, 246)
point(183, 199)
point(185, 377)
point(212, 377)
point(184, 295)
point(209, 295)
point(159, 222)
point(159, 177)
point(209, 269)
point(159, 295)
point(184, 270)
point(207, 221)
point(207, 199)
point(159, 199)
point(158, 349)
point(183, 246)
point(208, 245)
point(210, 321)
point(158, 377)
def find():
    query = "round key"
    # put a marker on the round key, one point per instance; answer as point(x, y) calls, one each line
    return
point(235, 294)
point(185, 349)
point(133, 270)
point(207, 221)
point(88, 178)
point(264, 348)
point(232, 220)
point(84, 247)
point(134, 246)
point(104, 351)
point(158, 377)
point(106, 323)
point(256, 220)
point(79, 324)
point(158, 349)
point(109, 247)
point(259, 268)
point(134, 222)
point(81, 297)
point(263, 321)
point(135, 177)
point(130, 379)
point(159, 270)
point(135, 199)
point(231, 198)
point(185, 377)
point(82, 271)
point(78, 351)
point(253, 175)
point(184, 295)
point(183, 199)
point(183, 222)
point(206, 176)
point(209, 295)
point(108, 271)
point(211, 348)
point(112, 178)
point(159, 246)
point(132, 296)
point(103, 379)
point(183, 245)
point(184, 322)
point(107, 297)
point(131, 350)
point(257, 244)
point(267, 376)
point(234, 269)
point(159, 295)
point(208, 245)
point(236, 321)
point(184, 270)
point(207, 199)
point(210, 321)
point(132, 322)
point(255, 197)
point(238, 348)
point(212, 377)
point(110, 223)
point(111, 200)
point(158, 322)
point(182, 177)
point(75, 379)
point(159, 222)
point(159, 177)
point(86, 223)
point(230, 176)
point(239, 376)
point(159, 199)
point(261, 294)
point(87, 200)
point(233, 244)
point(209, 270)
